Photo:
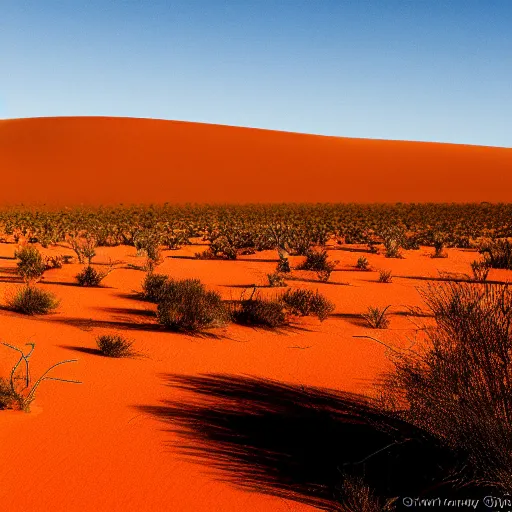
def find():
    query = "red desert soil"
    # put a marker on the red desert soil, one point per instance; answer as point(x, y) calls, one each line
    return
point(86, 447)
point(97, 160)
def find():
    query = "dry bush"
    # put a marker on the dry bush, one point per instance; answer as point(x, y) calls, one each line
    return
point(363, 263)
point(31, 264)
point(377, 318)
point(153, 286)
point(259, 311)
point(306, 302)
point(114, 345)
point(276, 280)
point(498, 254)
point(30, 300)
point(385, 276)
point(89, 276)
point(459, 387)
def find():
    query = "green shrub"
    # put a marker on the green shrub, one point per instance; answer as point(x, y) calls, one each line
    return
point(153, 286)
point(31, 264)
point(377, 317)
point(30, 300)
point(89, 276)
point(113, 345)
point(186, 305)
point(306, 302)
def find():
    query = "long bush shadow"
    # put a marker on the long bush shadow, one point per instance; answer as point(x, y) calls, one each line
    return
point(354, 318)
point(454, 279)
point(300, 443)
point(128, 311)
point(83, 350)
point(89, 324)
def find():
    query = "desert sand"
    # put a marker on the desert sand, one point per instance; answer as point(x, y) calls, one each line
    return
point(93, 160)
point(89, 447)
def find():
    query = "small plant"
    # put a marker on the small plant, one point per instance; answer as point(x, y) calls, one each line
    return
point(439, 241)
point(30, 300)
point(317, 261)
point(186, 305)
point(363, 263)
point(153, 286)
point(480, 270)
point(498, 254)
point(53, 262)
point(17, 392)
point(261, 312)
point(306, 302)
point(205, 255)
point(377, 317)
point(283, 266)
point(394, 239)
point(276, 280)
point(113, 345)
point(385, 276)
point(85, 248)
point(89, 276)
point(31, 264)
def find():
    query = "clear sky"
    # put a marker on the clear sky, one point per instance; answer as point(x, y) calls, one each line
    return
point(432, 70)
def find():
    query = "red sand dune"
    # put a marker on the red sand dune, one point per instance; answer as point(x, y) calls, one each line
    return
point(94, 160)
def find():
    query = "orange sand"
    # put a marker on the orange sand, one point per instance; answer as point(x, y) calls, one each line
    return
point(86, 447)
point(110, 160)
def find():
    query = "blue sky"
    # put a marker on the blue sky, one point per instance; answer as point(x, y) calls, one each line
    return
point(432, 70)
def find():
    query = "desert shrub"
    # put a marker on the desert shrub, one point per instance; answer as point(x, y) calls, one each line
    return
point(31, 264)
point(53, 262)
point(207, 254)
point(316, 260)
point(114, 345)
point(480, 270)
point(498, 254)
point(30, 300)
point(363, 263)
point(377, 317)
point(266, 312)
point(438, 240)
point(283, 265)
point(84, 247)
point(385, 276)
point(153, 286)
point(89, 276)
point(306, 302)
point(459, 386)
point(17, 391)
point(276, 280)
point(187, 305)
point(394, 239)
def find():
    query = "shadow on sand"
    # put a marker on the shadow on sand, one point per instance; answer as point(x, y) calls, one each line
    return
point(300, 443)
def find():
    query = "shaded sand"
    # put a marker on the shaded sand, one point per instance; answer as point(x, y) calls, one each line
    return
point(68, 161)
point(90, 446)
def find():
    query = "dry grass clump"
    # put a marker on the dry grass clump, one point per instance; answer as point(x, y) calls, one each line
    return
point(114, 345)
point(317, 261)
point(276, 280)
point(306, 302)
point(89, 276)
point(153, 286)
point(376, 317)
point(186, 305)
point(459, 388)
point(362, 263)
point(498, 254)
point(30, 300)
point(260, 311)
point(31, 264)
point(385, 276)
point(480, 270)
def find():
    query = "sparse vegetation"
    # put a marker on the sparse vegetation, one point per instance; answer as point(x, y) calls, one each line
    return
point(31, 264)
point(377, 318)
point(114, 345)
point(16, 392)
point(31, 300)
point(186, 305)
point(306, 302)
point(363, 263)
point(89, 276)
point(385, 276)
point(260, 311)
point(498, 254)
point(480, 270)
point(153, 286)
point(276, 280)
point(317, 261)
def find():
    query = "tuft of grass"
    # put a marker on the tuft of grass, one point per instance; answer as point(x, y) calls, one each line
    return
point(363, 263)
point(31, 264)
point(18, 392)
point(480, 270)
point(306, 302)
point(186, 305)
point(114, 345)
point(459, 387)
point(317, 261)
point(89, 276)
point(276, 280)
point(153, 286)
point(259, 311)
point(377, 318)
point(498, 254)
point(385, 276)
point(30, 300)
